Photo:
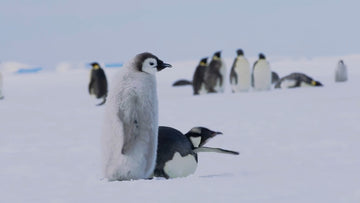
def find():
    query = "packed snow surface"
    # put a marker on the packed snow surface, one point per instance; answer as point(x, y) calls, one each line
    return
point(296, 145)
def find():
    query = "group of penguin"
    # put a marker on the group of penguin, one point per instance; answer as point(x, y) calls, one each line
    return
point(209, 78)
point(133, 146)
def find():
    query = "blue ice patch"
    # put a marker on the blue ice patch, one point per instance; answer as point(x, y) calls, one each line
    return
point(29, 70)
point(113, 65)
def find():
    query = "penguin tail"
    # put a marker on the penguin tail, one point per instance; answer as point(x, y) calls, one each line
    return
point(218, 150)
point(181, 82)
point(103, 102)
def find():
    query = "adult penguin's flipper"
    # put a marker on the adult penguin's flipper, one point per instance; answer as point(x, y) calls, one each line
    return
point(218, 150)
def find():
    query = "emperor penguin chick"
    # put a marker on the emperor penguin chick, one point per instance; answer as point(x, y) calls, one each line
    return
point(262, 74)
point(98, 83)
point(341, 72)
point(240, 75)
point(215, 74)
point(129, 141)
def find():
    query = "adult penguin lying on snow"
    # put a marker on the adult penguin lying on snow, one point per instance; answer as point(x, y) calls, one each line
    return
point(177, 153)
point(297, 80)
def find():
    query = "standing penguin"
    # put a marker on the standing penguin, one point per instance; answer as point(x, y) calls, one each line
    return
point(177, 153)
point(1, 86)
point(341, 72)
point(198, 81)
point(129, 140)
point(215, 74)
point(261, 74)
point(240, 75)
point(297, 80)
point(98, 83)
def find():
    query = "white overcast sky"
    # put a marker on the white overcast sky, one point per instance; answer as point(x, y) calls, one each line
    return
point(47, 32)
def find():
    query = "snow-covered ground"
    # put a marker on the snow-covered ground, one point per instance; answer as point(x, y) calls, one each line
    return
point(297, 145)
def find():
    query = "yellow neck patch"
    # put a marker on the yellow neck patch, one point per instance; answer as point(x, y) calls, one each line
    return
point(96, 67)
point(202, 64)
point(313, 83)
point(216, 58)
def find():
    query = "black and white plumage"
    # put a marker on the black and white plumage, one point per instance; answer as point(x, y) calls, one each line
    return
point(129, 140)
point(98, 83)
point(215, 74)
point(177, 153)
point(198, 81)
point(341, 72)
point(240, 75)
point(297, 80)
point(274, 77)
point(1, 86)
point(261, 74)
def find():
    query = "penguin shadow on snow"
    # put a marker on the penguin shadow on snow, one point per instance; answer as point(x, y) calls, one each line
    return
point(177, 153)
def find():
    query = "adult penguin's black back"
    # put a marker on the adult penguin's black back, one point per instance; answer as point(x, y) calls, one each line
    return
point(296, 80)
point(171, 141)
point(198, 78)
point(98, 83)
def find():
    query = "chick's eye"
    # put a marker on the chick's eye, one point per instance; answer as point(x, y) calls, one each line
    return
point(151, 63)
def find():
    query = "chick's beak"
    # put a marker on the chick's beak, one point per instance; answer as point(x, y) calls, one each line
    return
point(165, 65)
point(161, 65)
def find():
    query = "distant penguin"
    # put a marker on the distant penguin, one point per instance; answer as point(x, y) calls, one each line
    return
point(297, 80)
point(177, 153)
point(1, 86)
point(215, 74)
point(98, 83)
point(240, 75)
point(261, 74)
point(274, 77)
point(198, 82)
point(130, 137)
point(341, 72)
